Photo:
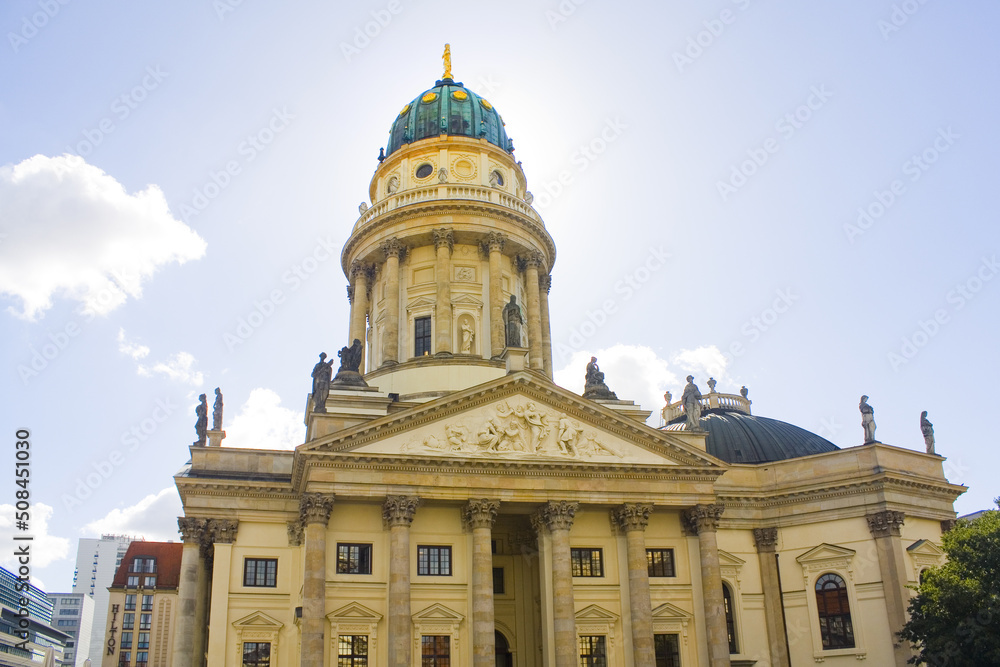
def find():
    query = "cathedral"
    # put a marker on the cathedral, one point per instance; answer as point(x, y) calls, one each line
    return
point(452, 506)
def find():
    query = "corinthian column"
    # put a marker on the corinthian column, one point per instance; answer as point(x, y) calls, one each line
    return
point(397, 512)
point(884, 527)
point(479, 516)
point(314, 513)
point(187, 635)
point(532, 264)
point(443, 242)
point(557, 517)
point(766, 540)
point(631, 519)
point(544, 285)
point(704, 520)
point(393, 250)
point(498, 339)
point(359, 308)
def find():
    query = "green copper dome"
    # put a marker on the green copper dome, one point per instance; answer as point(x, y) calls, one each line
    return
point(448, 108)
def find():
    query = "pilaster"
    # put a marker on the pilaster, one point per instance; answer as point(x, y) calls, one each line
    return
point(494, 245)
point(885, 528)
point(766, 541)
point(443, 243)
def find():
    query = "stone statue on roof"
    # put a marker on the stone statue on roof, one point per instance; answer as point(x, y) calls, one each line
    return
point(927, 429)
point(867, 420)
point(217, 411)
point(691, 398)
point(201, 425)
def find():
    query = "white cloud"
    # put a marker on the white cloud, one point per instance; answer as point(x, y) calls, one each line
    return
point(130, 349)
point(74, 232)
point(45, 548)
point(263, 424)
point(636, 373)
point(153, 518)
point(179, 367)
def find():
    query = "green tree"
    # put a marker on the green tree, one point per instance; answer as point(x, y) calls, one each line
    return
point(955, 617)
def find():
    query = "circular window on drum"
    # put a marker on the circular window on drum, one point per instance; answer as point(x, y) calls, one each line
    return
point(425, 170)
point(464, 168)
point(496, 178)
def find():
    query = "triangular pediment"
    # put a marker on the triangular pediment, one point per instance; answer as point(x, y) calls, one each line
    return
point(726, 559)
point(355, 612)
point(465, 300)
point(594, 613)
point(520, 418)
point(669, 612)
point(258, 620)
point(438, 613)
point(925, 548)
point(826, 552)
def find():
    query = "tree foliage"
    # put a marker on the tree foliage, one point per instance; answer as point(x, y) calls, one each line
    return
point(955, 617)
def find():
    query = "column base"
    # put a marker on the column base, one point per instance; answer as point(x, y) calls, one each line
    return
point(215, 438)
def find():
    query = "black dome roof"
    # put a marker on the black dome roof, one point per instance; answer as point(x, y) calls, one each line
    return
point(737, 437)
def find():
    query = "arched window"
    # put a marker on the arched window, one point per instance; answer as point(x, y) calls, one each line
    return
point(834, 610)
point(727, 599)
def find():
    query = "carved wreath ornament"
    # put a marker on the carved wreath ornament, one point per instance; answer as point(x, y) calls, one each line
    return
point(518, 431)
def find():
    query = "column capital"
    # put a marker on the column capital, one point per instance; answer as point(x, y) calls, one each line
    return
point(885, 523)
point(444, 237)
point(545, 282)
point(393, 248)
point(192, 530)
point(361, 269)
point(315, 508)
point(480, 513)
point(704, 517)
point(223, 531)
point(399, 510)
point(554, 515)
point(534, 260)
point(765, 539)
point(494, 242)
point(631, 516)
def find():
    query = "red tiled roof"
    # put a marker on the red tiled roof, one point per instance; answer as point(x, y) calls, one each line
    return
point(168, 562)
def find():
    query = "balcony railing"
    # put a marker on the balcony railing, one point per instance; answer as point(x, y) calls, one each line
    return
point(443, 191)
point(733, 402)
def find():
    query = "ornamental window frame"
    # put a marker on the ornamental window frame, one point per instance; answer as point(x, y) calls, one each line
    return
point(437, 620)
point(832, 559)
point(257, 627)
point(354, 619)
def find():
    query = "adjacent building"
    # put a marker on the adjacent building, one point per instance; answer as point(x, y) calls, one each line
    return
point(142, 603)
point(452, 506)
point(26, 627)
point(97, 560)
point(73, 613)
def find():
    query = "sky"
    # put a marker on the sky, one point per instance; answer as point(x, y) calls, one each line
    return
point(795, 197)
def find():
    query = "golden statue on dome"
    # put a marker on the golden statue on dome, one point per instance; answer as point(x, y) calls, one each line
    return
point(447, 61)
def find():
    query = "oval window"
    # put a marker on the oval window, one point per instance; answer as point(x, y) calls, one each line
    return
point(497, 177)
point(425, 170)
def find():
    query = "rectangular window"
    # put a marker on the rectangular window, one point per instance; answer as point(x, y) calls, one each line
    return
point(149, 582)
point(435, 651)
point(145, 621)
point(586, 562)
point(422, 336)
point(260, 572)
point(660, 562)
point(141, 658)
point(498, 588)
point(434, 561)
point(352, 651)
point(129, 603)
point(133, 581)
point(128, 621)
point(143, 640)
point(143, 565)
point(256, 654)
point(147, 603)
point(667, 651)
point(126, 640)
point(592, 651)
point(125, 658)
point(69, 612)
point(354, 558)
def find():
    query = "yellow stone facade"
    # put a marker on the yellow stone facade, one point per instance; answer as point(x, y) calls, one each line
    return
point(463, 503)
